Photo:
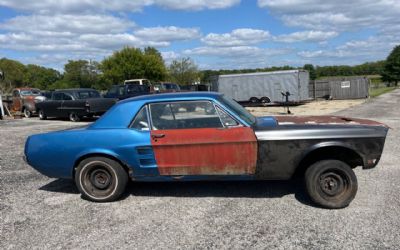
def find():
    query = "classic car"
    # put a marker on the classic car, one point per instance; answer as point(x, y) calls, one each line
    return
point(24, 100)
point(74, 104)
point(122, 92)
point(158, 138)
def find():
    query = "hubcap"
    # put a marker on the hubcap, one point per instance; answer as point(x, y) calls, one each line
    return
point(100, 178)
point(332, 183)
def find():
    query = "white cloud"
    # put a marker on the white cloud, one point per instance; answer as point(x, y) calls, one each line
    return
point(247, 51)
point(237, 37)
point(170, 33)
point(306, 36)
point(67, 24)
point(89, 6)
point(340, 15)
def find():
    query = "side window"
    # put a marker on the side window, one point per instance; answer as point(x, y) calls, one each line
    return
point(67, 97)
point(226, 119)
point(184, 115)
point(141, 122)
point(58, 96)
point(113, 90)
point(16, 93)
point(121, 90)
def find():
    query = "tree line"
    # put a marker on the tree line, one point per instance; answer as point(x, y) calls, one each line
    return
point(128, 63)
point(134, 63)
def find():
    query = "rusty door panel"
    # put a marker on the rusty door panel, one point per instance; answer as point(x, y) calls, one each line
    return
point(206, 151)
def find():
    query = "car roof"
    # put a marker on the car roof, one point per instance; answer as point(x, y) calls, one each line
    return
point(172, 96)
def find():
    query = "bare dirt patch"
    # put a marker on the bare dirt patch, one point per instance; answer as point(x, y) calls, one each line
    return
point(313, 108)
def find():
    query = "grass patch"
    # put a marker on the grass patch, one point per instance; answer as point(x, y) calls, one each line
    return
point(374, 92)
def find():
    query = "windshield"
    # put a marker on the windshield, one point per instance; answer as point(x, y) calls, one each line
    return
point(30, 92)
point(86, 94)
point(238, 109)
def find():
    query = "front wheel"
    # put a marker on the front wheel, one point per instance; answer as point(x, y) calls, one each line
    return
point(42, 115)
point(27, 113)
point(101, 179)
point(331, 183)
point(73, 117)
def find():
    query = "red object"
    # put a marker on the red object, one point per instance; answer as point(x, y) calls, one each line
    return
point(205, 151)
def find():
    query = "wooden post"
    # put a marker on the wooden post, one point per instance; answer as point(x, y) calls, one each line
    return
point(1, 108)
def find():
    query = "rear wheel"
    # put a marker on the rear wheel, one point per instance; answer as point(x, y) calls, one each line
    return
point(331, 183)
point(27, 113)
point(265, 100)
point(254, 100)
point(73, 117)
point(42, 115)
point(101, 179)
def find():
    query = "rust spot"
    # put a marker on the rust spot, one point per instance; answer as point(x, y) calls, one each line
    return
point(330, 120)
point(207, 151)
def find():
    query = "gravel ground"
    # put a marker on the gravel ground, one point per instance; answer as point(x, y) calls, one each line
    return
point(39, 212)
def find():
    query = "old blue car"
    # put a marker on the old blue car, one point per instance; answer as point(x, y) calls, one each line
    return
point(208, 136)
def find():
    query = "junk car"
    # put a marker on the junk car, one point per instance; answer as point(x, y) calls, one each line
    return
point(196, 136)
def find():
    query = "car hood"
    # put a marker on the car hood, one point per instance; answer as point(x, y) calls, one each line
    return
point(325, 120)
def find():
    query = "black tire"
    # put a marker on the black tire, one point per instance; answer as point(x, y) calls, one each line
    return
point(265, 100)
point(42, 115)
point(331, 183)
point(100, 179)
point(27, 113)
point(254, 100)
point(73, 117)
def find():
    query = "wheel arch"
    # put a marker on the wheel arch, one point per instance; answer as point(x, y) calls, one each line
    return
point(101, 154)
point(326, 151)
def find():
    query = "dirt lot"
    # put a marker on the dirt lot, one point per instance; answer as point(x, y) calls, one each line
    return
point(39, 212)
point(313, 108)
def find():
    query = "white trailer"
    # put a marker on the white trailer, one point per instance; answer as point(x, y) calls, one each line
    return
point(264, 87)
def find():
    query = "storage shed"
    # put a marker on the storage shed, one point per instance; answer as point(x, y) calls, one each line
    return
point(340, 88)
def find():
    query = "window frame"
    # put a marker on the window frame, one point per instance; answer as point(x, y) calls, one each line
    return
point(239, 124)
point(145, 106)
point(215, 105)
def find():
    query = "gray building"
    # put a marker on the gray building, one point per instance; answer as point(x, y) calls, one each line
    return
point(340, 88)
point(264, 86)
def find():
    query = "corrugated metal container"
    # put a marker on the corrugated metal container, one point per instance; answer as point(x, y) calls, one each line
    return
point(264, 85)
point(340, 88)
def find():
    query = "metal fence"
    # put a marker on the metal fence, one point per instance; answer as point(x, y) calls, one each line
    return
point(340, 88)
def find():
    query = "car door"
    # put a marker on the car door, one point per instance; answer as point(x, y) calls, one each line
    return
point(52, 107)
point(198, 138)
point(16, 101)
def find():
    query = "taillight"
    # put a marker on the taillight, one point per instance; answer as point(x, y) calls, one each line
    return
point(87, 106)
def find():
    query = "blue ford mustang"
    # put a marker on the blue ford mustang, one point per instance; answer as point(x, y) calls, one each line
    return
point(207, 136)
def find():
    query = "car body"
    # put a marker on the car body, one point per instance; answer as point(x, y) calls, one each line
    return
point(163, 138)
point(74, 103)
point(24, 100)
point(122, 92)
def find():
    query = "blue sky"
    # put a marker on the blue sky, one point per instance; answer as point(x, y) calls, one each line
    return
point(214, 33)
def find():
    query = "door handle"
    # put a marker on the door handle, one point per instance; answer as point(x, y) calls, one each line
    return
point(156, 136)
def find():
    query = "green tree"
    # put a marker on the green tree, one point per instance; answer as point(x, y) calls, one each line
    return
point(80, 73)
point(40, 77)
point(391, 72)
point(310, 68)
point(183, 71)
point(14, 72)
point(133, 63)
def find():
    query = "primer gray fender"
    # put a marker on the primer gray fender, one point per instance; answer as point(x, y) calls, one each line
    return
point(330, 144)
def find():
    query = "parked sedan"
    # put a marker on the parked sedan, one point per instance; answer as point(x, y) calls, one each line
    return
point(163, 138)
point(74, 104)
